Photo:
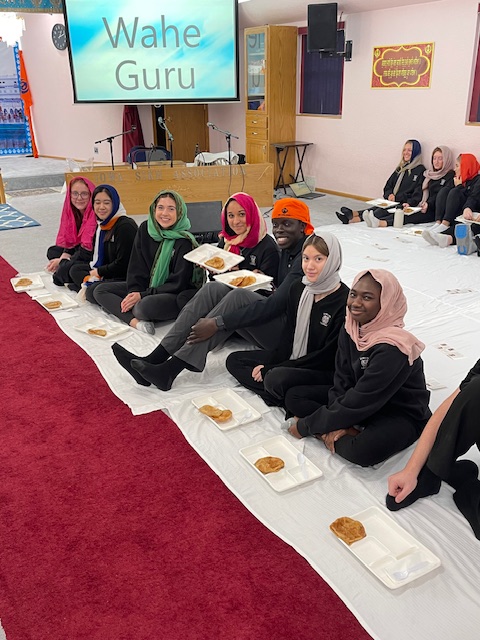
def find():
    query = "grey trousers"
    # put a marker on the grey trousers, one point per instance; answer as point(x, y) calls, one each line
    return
point(217, 299)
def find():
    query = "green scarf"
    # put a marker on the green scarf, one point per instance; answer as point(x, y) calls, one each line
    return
point(166, 238)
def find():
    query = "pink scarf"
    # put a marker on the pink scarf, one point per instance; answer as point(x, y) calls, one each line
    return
point(68, 236)
point(431, 174)
point(387, 326)
point(256, 227)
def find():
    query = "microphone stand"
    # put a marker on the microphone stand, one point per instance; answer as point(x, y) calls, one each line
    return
point(110, 142)
point(228, 137)
point(170, 137)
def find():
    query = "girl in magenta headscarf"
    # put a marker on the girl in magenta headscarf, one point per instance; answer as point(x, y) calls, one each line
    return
point(77, 229)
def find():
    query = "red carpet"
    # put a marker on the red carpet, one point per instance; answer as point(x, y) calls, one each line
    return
point(113, 528)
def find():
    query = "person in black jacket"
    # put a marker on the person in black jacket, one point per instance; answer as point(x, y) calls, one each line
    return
point(315, 315)
point(403, 186)
point(217, 310)
point(463, 199)
point(113, 243)
point(157, 272)
point(450, 432)
point(378, 404)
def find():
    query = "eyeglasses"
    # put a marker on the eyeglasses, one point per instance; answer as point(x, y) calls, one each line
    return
point(82, 195)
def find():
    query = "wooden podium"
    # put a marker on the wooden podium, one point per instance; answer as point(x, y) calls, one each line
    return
point(138, 187)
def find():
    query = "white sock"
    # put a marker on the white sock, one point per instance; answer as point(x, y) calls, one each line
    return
point(441, 227)
point(434, 227)
point(444, 241)
point(375, 221)
point(145, 327)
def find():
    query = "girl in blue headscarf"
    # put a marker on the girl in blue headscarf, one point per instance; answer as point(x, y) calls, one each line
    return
point(157, 272)
point(112, 243)
point(403, 186)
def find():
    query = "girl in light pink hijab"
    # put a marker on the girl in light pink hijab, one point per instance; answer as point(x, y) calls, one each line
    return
point(378, 404)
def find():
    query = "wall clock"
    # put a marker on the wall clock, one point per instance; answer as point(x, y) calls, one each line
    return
point(59, 36)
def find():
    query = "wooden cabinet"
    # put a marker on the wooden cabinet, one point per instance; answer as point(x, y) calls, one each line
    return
point(271, 66)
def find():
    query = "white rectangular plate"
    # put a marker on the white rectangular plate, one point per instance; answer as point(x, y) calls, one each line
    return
point(393, 555)
point(261, 280)
point(37, 282)
point(293, 474)
point(67, 301)
point(462, 220)
point(381, 202)
point(243, 412)
point(113, 329)
point(207, 251)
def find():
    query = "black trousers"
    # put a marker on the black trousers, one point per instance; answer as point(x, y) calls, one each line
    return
point(63, 274)
point(155, 308)
point(450, 204)
point(278, 380)
point(380, 437)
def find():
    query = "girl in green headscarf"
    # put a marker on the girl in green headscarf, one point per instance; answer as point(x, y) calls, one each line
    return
point(159, 281)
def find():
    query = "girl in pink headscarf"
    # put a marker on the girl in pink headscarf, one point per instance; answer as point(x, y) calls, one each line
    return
point(378, 404)
point(77, 228)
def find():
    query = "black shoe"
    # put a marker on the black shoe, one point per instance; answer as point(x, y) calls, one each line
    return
point(348, 212)
point(342, 217)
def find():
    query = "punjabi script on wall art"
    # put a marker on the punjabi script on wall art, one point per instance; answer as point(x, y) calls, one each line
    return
point(402, 66)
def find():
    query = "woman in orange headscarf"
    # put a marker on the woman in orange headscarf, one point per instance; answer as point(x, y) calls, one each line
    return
point(463, 199)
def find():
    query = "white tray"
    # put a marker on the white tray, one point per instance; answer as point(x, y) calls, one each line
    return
point(113, 329)
point(66, 300)
point(37, 282)
point(381, 202)
point(243, 412)
point(293, 474)
point(389, 552)
point(462, 220)
point(261, 280)
point(207, 251)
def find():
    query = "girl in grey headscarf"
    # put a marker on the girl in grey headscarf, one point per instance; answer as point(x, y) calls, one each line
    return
point(315, 314)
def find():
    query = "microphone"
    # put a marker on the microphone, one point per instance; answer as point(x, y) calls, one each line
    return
point(134, 127)
point(160, 121)
point(210, 124)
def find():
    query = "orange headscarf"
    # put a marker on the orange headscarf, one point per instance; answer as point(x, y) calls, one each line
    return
point(469, 167)
point(387, 326)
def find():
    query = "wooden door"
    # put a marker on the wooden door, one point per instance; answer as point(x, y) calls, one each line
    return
point(188, 126)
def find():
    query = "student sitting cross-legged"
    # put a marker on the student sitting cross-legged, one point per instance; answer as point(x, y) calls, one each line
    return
point(378, 404)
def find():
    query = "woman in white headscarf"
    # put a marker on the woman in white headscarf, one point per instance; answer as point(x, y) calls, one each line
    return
point(315, 315)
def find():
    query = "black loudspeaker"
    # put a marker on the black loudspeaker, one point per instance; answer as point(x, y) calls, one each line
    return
point(322, 27)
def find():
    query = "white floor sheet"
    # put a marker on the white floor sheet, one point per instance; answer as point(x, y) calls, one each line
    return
point(443, 294)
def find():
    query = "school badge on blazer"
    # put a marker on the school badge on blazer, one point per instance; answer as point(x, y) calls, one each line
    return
point(325, 319)
point(364, 362)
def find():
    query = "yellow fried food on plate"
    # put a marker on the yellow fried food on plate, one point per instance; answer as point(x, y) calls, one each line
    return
point(219, 415)
point(23, 282)
point(53, 304)
point(269, 464)
point(408, 210)
point(97, 332)
point(216, 262)
point(243, 281)
point(348, 529)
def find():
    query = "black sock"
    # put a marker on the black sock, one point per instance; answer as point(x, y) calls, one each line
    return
point(427, 485)
point(124, 359)
point(161, 375)
point(158, 355)
point(467, 499)
point(462, 471)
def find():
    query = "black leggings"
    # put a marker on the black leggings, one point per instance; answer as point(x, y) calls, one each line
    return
point(278, 380)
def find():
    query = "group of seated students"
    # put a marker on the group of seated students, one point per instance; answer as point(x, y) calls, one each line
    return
point(448, 189)
point(338, 361)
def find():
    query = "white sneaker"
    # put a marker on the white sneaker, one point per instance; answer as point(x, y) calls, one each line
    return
point(145, 327)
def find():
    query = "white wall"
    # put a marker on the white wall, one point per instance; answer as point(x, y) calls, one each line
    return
point(352, 154)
